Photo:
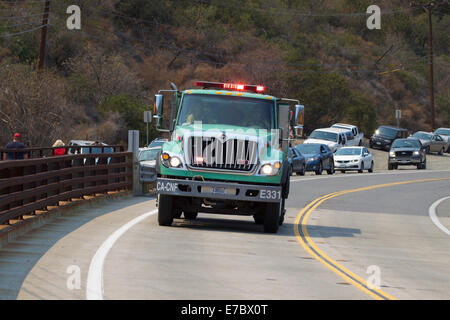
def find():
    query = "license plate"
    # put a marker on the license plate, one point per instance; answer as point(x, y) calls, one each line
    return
point(270, 194)
point(378, 142)
point(218, 190)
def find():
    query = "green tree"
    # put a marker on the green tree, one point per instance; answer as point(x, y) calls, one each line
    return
point(131, 110)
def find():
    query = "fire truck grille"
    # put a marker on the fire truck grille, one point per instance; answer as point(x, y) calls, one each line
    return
point(212, 153)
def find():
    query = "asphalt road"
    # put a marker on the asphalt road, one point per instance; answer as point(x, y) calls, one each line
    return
point(384, 235)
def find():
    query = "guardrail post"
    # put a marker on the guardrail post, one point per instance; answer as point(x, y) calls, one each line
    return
point(133, 146)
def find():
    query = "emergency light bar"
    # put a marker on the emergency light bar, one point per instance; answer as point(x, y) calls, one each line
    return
point(231, 86)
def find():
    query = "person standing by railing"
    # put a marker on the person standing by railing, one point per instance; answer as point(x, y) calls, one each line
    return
point(15, 144)
point(59, 151)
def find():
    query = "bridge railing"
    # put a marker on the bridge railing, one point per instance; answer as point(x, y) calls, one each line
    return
point(35, 184)
point(68, 150)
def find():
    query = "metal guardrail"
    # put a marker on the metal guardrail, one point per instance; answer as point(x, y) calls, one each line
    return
point(147, 174)
point(34, 184)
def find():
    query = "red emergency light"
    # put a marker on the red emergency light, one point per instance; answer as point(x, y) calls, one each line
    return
point(231, 86)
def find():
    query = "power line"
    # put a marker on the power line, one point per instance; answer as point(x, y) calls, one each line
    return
point(23, 32)
point(22, 17)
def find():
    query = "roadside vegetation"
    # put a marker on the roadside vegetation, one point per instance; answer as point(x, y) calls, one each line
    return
point(98, 81)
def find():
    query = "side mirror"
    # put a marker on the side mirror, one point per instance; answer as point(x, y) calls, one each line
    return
point(158, 107)
point(298, 120)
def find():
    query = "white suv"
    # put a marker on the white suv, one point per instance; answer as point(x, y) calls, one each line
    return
point(334, 138)
point(356, 133)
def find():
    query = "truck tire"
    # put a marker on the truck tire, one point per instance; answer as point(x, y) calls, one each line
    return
point(272, 217)
point(190, 215)
point(165, 210)
point(259, 219)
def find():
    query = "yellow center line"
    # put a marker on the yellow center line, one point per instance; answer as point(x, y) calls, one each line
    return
point(305, 240)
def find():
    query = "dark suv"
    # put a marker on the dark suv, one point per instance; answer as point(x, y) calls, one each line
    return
point(385, 135)
point(407, 152)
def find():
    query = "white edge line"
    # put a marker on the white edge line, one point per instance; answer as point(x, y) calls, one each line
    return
point(364, 174)
point(94, 286)
point(433, 216)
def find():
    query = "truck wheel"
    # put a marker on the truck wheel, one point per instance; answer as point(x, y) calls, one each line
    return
point(390, 166)
point(190, 215)
point(272, 217)
point(259, 219)
point(165, 210)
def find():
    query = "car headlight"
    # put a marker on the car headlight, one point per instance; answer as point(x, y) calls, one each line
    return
point(391, 153)
point(356, 160)
point(170, 162)
point(175, 162)
point(312, 159)
point(416, 153)
point(270, 169)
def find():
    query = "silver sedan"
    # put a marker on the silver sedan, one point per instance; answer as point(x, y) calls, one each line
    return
point(431, 142)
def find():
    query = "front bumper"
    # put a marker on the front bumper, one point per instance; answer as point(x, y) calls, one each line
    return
point(218, 190)
point(347, 166)
point(380, 143)
point(405, 161)
point(312, 165)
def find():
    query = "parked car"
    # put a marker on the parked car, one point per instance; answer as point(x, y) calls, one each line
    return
point(147, 163)
point(431, 142)
point(385, 135)
point(445, 134)
point(297, 162)
point(158, 142)
point(358, 136)
point(332, 137)
point(353, 158)
point(89, 147)
point(86, 144)
point(407, 152)
point(318, 157)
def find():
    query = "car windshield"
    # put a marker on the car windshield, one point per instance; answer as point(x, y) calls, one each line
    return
point(308, 148)
point(422, 135)
point(385, 131)
point(227, 110)
point(156, 143)
point(148, 155)
point(349, 152)
point(406, 143)
point(324, 135)
point(443, 132)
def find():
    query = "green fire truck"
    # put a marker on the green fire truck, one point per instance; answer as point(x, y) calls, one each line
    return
point(227, 153)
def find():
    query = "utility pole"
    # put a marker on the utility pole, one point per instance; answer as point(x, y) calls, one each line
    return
point(43, 44)
point(429, 8)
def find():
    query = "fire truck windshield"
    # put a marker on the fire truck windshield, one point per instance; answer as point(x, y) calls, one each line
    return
point(227, 110)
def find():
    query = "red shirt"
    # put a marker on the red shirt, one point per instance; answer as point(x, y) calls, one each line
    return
point(59, 151)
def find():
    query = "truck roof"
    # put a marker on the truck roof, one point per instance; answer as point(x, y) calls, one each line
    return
point(230, 93)
point(345, 125)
